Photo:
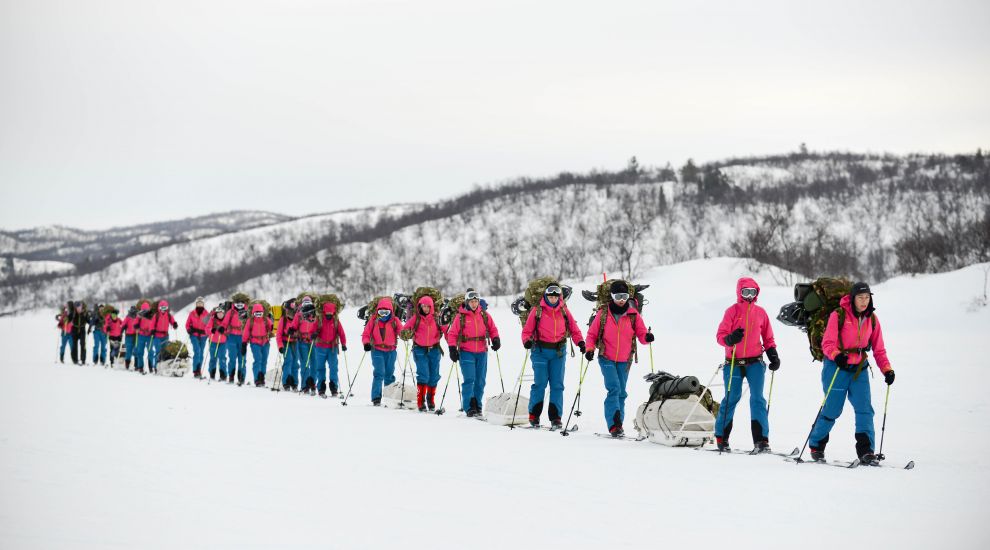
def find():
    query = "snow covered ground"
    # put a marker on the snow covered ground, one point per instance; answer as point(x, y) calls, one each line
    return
point(93, 458)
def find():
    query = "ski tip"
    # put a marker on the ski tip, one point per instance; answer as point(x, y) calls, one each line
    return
point(909, 466)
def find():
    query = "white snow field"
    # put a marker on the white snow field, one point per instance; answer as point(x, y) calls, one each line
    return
point(95, 458)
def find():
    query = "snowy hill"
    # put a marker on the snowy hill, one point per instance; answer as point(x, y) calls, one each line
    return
point(112, 458)
point(870, 217)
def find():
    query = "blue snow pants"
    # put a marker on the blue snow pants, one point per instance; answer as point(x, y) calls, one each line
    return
point(130, 346)
point(616, 375)
point(427, 365)
point(99, 346)
point(154, 352)
point(236, 362)
point(198, 343)
point(259, 352)
point(474, 368)
point(755, 374)
point(66, 341)
point(307, 360)
point(218, 358)
point(383, 363)
point(548, 366)
point(290, 364)
point(324, 358)
point(143, 343)
point(858, 393)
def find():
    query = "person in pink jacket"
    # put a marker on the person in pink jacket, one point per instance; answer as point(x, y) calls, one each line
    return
point(233, 327)
point(114, 327)
point(330, 339)
point(467, 338)
point(745, 333)
point(426, 335)
point(145, 332)
point(851, 332)
point(65, 329)
point(380, 337)
point(285, 339)
point(304, 328)
point(545, 334)
point(218, 344)
point(613, 332)
point(131, 324)
point(257, 335)
point(196, 329)
point(160, 324)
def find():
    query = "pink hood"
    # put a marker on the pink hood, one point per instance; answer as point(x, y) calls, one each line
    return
point(753, 319)
point(429, 332)
point(382, 336)
point(746, 282)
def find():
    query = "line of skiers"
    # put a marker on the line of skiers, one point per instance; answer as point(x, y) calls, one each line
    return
point(310, 342)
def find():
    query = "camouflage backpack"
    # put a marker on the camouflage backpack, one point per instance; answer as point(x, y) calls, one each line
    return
point(533, 294)
point(414, 303)
point(450, 310)
point(814, 303)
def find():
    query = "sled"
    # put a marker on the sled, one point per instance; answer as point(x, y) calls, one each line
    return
point(498, 409)
point(676, 422)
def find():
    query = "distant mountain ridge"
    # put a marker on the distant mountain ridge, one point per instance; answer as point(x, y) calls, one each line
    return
point(868, 216)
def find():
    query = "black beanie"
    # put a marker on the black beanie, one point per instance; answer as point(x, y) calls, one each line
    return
point(617, 287)
point(859, 288)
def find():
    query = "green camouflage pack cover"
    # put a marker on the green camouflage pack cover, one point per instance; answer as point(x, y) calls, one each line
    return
point(534, 293)
point(173, 348)
point(240, 297)
point(420, 292)
point(820, 303)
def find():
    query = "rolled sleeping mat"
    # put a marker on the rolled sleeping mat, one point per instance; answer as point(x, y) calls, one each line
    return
point(679, 386)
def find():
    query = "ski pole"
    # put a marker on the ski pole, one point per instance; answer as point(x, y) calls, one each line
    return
point(460, 396)
point(351, 385)
point(279, 362)
point(728, 389)
point(499, 361)
point(444, 396)
point(883, 427)
point(402, 390)
point(798, 460)
point(650, 330)
point(308, 355)
point(582, 368)
point(512, 425)
point(770, 394)
point(347, 369)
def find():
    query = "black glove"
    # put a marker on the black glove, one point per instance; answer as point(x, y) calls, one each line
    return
point(650, 337)
point(367, 347)
point(343, 347)
point(221, 330)
point(496, 343)
point(842, 360)
point(734, 337)
point(589, 355)
point(175, 325)
point(889, 377)
point(282, 350)
point(454, 355)
point(528, 344)
point(582, 346)
point(189, 332)
point(774, 358)
point(293, 332)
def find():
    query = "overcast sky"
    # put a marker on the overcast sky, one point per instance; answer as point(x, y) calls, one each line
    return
point(117, 112)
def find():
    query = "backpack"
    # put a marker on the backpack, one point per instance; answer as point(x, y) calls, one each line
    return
point(814, 303)
point(531, 300)
point(437, 304)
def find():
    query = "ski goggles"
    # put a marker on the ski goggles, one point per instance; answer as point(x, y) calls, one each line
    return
point(384, 312)
point(620, 296)
point(162, 308)
point(472, 296)
point(554, 290)
point(748, 293)
point(238, 305)
point(258, 314)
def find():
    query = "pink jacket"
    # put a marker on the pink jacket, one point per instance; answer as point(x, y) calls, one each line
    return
point(305, 328)
point(554, 321)
point(855, 334)
point(113, 328)
point(619, 335)
point(64, 323)
point(197, 320)
point(752, 319)
point(429, 332)
point(282, 333)
point(257, 330)
point(383, 336)
point(131, 325)
point(215, 337)
point(330, 332)
point(232, 322)
point(473, 339)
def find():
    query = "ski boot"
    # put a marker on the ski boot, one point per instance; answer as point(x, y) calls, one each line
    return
point(534, 421)
point(127, 364)
point(556, 424)
point(377, 402)
point(430, 393)
point(761, 447)
point(333, 389)
point(213, 375)
point(616, 431)
point(869, 459)
point(223, 377)
point(722, 444)
point(817, 455)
